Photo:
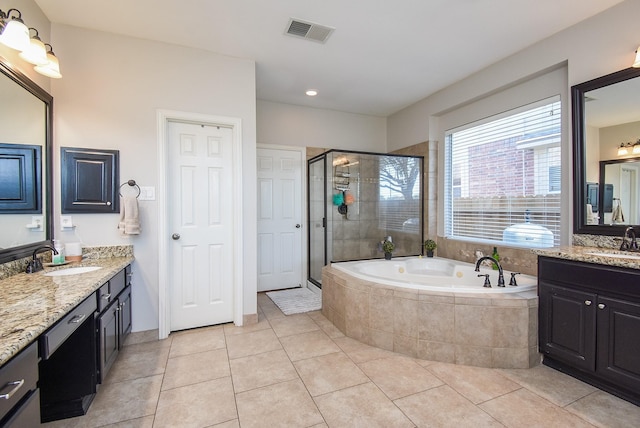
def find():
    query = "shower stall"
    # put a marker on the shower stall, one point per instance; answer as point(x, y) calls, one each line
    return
point(358, 199)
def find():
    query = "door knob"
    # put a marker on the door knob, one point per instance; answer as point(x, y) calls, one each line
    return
point(175, 236)
point(297, 226)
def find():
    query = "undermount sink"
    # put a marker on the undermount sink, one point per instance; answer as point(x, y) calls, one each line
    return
point(72, 271)
point(616, 255)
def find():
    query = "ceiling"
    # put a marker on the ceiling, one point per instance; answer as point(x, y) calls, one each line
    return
point(383, 55)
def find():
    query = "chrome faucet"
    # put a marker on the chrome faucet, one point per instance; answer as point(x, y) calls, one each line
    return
point(497, 263)
point(35, 265)
point(633, 244)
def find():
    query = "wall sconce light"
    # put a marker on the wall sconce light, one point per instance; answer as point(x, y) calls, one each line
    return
point(52, 67)
point(36, 53)
point(636, 63)
point(624, 149)
point(14, 34)
point(629, 149)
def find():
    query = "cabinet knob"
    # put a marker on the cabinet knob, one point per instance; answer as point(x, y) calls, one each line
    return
point(601, 306)
point(587, 302)
point(106, 296)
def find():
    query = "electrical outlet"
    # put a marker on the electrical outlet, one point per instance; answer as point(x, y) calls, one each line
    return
point(66, 222)
point(37, 222)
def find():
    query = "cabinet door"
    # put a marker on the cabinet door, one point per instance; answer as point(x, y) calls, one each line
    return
point(108, 336)
point(89, 180)
point(125, 315)
point(568, 325)
point(619, 342)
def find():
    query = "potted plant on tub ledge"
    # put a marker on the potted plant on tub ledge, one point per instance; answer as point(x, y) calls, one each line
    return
point(388, 247)
point(429, 246)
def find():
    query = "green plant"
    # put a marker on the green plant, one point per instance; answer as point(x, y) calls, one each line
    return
point(430, 245)
point(388, 246)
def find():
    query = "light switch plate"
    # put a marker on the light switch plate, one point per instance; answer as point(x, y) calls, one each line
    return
point(147, 193)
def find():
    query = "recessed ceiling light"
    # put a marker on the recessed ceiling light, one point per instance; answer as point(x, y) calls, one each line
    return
point(312, 92)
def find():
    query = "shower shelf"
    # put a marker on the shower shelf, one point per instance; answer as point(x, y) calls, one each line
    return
point(341, 177)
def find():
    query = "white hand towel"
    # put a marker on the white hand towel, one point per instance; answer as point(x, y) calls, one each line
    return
point(617, 216)
point(129, 220)
point(590, 216)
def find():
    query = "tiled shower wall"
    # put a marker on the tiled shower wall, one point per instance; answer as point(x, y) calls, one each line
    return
point(357, 234)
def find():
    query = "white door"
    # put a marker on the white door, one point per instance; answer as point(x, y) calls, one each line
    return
point(200, 184)
point(279, 219)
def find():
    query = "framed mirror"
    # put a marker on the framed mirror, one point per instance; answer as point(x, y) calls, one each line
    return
point(606, 114)
point(25, 171)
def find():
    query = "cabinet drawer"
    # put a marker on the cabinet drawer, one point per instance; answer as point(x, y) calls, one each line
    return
point(56, 335)
point(117, 283)
point(28, 413)
point(18, 377)
point(104, 296)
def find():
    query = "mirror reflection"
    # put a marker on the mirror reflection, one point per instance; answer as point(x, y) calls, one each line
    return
point(22, 124)
point(24, 164)
point(607, 149)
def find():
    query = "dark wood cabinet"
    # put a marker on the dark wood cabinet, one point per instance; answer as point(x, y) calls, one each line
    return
point(19, 378)
point(77, 351)
point(107, 339)
point(568, 331)
point(114, 322)
point(589, 323)
point(89, 180)
point(67, 369)
point(618, 358)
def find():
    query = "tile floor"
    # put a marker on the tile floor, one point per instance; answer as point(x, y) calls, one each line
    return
point(300, 371)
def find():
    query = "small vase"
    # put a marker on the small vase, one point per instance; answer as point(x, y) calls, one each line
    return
point(429, 253)
point(387, 256)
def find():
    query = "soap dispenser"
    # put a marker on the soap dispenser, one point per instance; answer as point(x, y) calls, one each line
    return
point(58, 258)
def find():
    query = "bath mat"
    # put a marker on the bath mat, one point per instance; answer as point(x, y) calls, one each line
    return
point(296, 300)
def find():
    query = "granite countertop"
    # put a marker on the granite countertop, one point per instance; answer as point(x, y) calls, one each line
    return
point(602, 256)
point(31, 303)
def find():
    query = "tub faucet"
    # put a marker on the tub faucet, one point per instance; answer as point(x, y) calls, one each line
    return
point(497, 263)
point(633, 244)
point(35, 265)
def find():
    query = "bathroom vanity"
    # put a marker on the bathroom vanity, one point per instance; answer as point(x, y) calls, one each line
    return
point(60, 334)
point(589, 318)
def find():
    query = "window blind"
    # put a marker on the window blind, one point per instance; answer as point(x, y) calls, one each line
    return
point(502, 178)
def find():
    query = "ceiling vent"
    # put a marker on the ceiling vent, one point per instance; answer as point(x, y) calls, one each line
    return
point(308, 30)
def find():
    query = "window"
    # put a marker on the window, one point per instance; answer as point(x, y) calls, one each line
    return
point(400, 189)
point(502, 178)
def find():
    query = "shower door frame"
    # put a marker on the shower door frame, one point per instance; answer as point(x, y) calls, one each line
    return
point(320, 158)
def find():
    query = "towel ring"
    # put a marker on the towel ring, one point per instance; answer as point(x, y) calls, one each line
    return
point(131, 183)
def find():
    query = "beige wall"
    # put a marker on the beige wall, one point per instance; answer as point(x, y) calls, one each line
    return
point(298, 126)
point(109, 97)
point(600, 45)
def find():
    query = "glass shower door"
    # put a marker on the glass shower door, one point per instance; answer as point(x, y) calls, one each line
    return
point(317, 218)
